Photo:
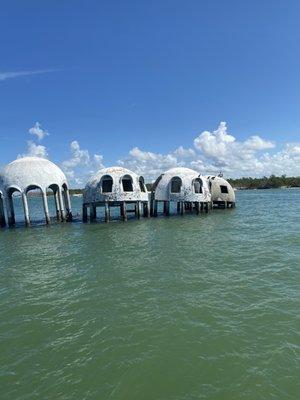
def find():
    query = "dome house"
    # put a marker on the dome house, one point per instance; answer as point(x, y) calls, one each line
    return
point(222, 193)
point(33, 173)
point(115, 187)
point(183, 186)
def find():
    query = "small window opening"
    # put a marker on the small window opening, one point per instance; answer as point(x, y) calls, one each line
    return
point(198, 185)
point(107, 184)
point(176, 183)
point(127, 184)
point(142, 184)
point(224, 189)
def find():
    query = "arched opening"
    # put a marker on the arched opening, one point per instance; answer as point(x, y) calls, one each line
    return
point(197, 184)
point(14, 204)
point(106, 184)
point(53, 201)
point(36, 207)
point(142, 184)
point(127, 183)
point(176, 184)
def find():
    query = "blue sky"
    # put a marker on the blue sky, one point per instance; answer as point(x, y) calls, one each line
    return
point(133, 81)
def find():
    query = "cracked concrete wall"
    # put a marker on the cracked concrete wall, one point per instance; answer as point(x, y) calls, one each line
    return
point(93, 191)
point(162, 191)
point(216, 195)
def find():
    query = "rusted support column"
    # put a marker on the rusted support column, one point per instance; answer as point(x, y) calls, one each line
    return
point(152, 207)
point(206, 207)
point(138, 209)
point(2, 213)
point(182, 208)
point(10, 210)
point(61, 205)
point(56, 200)
point(166, 208)
point(93, 212)
point(191, 207)
point(25, 208)
point(146, 207)
point(123, 211)
point(106, 209)
point(69, 216)
point(197, 207)
point(46, 209)
point(155, 203)
point(84, 213)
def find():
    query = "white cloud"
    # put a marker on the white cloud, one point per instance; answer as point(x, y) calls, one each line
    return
point(256, 143)
point(213, 152)
point(17, 74)
point(220, 151)
point(147, 163)
point(38, 131)
point(80, 166)
point(34, 150)
point(184, 153)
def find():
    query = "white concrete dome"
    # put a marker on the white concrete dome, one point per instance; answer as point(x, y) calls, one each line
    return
point(115, 184)
point(181, 184)
point(31, 173)
point(220, 189)
point(27, 172)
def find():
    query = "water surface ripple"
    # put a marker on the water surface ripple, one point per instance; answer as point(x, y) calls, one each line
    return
point(174, 308)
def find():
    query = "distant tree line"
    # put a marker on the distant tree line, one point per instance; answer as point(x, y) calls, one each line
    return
point(271, 182)
point(75, 191)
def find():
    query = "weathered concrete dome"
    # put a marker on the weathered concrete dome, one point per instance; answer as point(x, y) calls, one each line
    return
point(33, 173)
point(181, 184)
point(220, 189)
point(115, 184)
point(26, 172)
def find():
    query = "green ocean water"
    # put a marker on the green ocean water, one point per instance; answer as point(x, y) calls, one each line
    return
point(174, 308)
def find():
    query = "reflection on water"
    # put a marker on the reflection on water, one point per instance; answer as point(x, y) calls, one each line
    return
point(168, 308)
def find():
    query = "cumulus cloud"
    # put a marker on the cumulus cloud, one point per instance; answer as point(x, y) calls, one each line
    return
point(81, 165)
point(37, 131)
point(147, 163)
point(34, 150)
point(220, 151)
point(209, 153)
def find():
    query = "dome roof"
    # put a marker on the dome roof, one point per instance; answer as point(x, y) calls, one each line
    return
point(221, 190)
point(181, 171)
point(112, 171)
point(94, 191)
point(31, 171)
point(162, 186)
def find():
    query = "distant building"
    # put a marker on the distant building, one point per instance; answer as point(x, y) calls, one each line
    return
point(33, 173)
point(115, 187)
point(222, 193)
point(182, 186)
